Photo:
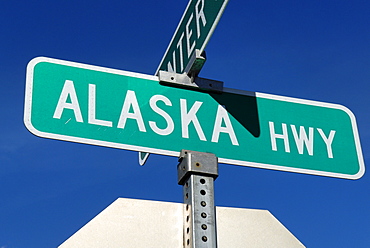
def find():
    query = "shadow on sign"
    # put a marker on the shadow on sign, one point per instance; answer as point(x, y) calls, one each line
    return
point(243, 108)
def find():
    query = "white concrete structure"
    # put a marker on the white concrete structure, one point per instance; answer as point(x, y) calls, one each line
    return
point(131, 223)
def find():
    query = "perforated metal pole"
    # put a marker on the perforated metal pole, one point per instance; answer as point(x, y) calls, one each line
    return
point(197, 172)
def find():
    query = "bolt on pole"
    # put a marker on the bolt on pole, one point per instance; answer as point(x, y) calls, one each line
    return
point(197, 172)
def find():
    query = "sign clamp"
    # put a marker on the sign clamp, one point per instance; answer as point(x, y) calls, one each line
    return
point(189, 79)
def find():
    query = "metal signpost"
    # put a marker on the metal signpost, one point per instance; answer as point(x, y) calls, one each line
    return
point(197, 172)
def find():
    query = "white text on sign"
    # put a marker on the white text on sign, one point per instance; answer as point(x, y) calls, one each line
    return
point(301, 139)
point(222, 123)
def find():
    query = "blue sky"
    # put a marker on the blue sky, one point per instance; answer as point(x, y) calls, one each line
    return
point(317, 50)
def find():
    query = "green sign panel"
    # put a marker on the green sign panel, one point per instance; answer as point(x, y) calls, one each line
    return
point(193, 32)
point(113, 108)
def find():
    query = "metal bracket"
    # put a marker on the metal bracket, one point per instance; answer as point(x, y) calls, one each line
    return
point(196, 63)
point(189, 79)
point(200, 163)
point(197, 172)
point(183, 80)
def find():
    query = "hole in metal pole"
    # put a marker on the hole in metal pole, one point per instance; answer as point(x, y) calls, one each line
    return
point(187, 218)
point(186, 196)
point(187, 230)
point(188, 242)
point(203, 203)
point(204, 226)
point(202, 181)
point(197, 164)
point(204, 215)
point(202, 192)
point(187, 207)
point(204, 238)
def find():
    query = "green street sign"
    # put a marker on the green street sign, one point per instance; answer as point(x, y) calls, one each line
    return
point(193, 32)
point(113, 108)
